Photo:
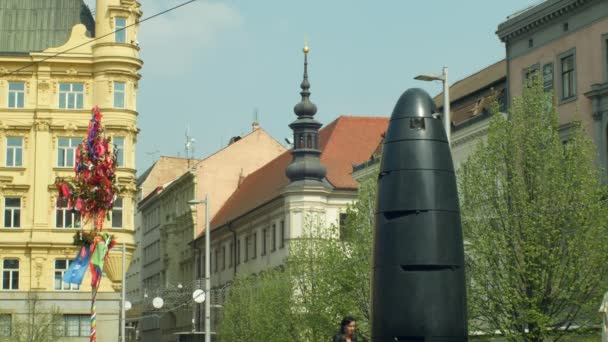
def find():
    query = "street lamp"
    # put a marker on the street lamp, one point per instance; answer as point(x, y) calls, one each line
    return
point(194, 203)
point(446, 96)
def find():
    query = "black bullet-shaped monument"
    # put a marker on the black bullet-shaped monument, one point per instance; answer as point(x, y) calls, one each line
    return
point(418, 286)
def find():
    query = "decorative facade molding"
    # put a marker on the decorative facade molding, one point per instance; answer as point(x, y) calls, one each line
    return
point(470, 137)
point(42, 125)
point(71, 71)
point(536, 16)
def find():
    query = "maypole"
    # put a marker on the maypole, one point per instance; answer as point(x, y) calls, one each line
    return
point(92, 193)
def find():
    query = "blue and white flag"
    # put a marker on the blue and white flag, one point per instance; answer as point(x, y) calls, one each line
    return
point(78, 267)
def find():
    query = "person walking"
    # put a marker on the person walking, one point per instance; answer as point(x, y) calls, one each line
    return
point(347, 330)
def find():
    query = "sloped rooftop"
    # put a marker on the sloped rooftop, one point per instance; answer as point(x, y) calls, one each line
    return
point(35, 25)
point(346, 141)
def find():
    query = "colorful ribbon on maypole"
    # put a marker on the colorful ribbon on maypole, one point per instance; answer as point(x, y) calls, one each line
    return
point(92, 193)
point(93, 315)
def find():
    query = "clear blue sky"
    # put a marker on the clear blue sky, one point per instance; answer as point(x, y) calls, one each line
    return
point(210, 63)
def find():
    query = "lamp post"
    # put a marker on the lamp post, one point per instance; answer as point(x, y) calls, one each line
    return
point(446, 96)
point(123, 294)
point(195, 202)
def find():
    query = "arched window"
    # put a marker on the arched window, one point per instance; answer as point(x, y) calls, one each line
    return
point(301, 141)
point(308, 141)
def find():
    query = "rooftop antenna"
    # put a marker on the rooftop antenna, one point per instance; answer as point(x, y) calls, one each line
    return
point(256, 124)
point(154, 153)
point(189, 144)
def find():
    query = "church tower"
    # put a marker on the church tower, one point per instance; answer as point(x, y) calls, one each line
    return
point(306, 167)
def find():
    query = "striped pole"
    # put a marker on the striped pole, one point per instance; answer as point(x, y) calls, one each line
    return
point(94, 316)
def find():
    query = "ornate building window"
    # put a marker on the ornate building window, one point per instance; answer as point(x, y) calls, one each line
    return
point(10, 274)
point(120, 33)
point(12, 212)
point(119, 94)
point(71, 95)
point(117, 210)
point(65, 217)
point(16, 94)
point(61, 266)
point(5, 325)
point(14, 151)
point(66, 153)
point(119, 145)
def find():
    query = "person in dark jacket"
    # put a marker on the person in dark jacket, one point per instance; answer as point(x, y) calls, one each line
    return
point(347, 330)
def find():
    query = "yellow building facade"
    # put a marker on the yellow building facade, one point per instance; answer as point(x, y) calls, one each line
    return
point(45, 107)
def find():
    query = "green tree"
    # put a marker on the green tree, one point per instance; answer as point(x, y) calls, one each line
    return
point(330, 267)
point(535, 219)
point(39, 324)
point(326, 276)
point(259, 308)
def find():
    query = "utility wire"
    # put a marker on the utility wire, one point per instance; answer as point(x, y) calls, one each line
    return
point(97, 38)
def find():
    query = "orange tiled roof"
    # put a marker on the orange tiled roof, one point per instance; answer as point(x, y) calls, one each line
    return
point(346, 141)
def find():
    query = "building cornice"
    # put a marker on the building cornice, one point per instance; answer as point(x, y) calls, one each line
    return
point(536, 16)
point(597, 90)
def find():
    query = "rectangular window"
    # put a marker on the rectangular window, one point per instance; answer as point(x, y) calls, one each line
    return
point(273, 236)
point(10, 274)
point(66, 217)
point(12, 212)
point(5, 325)
point(529, 74)
point(14, 151)
point(548, 77)
point(119, 94)
point(117, 213)
point(231, 256)
point(120, 33)
point(77, 325)
point(119, 146)
point(264, 238)
point(246, 248)
point(223, 258)
point(66, 152)
point(71, 95)
point(568, 76)
point(342, 226)
point(255, 246)
point(282, 233)
point(16, 94)
point(605, 42)
point(216, 260)
point(61, 266)
point(238, 251)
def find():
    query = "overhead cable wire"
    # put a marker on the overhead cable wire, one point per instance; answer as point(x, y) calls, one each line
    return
point(96, 38)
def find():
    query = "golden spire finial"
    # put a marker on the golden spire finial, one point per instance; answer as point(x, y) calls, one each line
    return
point(306, 48)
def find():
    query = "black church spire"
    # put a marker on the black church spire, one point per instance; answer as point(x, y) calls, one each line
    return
point(306, 168)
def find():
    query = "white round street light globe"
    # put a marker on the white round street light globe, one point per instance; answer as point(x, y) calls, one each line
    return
point(198, 296)
point(157, 303)
point(127, 305)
